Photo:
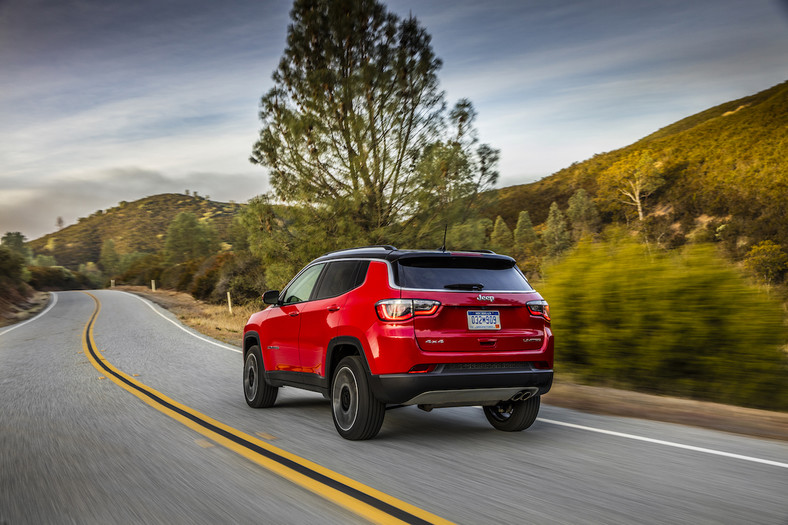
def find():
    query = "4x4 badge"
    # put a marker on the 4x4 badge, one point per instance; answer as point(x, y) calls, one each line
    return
point(485, 298)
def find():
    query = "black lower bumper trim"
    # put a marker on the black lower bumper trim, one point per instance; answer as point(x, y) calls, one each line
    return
point(399, 388)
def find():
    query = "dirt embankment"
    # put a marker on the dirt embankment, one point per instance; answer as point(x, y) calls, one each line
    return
point(20, 309)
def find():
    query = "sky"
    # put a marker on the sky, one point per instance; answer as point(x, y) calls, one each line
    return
point(103, 101)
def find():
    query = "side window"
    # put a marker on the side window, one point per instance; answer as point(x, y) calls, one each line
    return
point(341, 277)
point(300, 289)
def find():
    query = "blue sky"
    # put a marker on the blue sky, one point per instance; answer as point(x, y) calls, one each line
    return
point(104, 100)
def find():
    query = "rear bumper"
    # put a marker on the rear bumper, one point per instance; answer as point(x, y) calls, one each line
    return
point(464, 388)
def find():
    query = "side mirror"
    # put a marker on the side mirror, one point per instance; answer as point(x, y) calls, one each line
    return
point(271, 297)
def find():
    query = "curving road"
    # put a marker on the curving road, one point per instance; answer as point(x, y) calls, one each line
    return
point(112, 412)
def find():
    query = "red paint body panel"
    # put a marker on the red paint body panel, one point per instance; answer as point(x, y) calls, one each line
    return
point(396, 347)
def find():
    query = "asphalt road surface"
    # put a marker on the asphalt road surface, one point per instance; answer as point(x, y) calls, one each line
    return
point(112, 412)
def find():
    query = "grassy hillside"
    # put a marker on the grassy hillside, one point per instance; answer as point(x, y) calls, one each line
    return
point(138, 226)
point(727, 162)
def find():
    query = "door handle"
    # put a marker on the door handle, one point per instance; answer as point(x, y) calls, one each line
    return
point(488, 342)
point(292, 314)
point(333, 308)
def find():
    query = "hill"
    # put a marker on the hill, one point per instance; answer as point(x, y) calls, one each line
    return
point(727, 163)
point(138, 226)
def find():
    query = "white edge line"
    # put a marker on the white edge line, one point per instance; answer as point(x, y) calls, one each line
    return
point(668, 443)
point(150, 305)
point(52, 303)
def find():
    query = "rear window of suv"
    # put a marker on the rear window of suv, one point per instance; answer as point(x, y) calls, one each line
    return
point(468, 273)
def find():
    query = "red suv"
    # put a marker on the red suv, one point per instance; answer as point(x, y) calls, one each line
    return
point(377, 327)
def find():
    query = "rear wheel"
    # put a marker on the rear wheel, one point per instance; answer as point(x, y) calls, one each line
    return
point(257, 392)
point(513, 416)
point(357, 413)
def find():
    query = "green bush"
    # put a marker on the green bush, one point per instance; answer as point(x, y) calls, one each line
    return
point(143, 269)
point(179, 277)
point(243, 276)
point(207, 276)
point(57, 278)
point(685, 323)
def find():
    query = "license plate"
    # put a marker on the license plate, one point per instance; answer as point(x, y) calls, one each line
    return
point(484, 320)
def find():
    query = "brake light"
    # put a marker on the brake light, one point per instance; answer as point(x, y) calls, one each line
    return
point(539, 308)
point(392, 310)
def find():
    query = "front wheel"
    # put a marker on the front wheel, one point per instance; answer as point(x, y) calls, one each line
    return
point(357, 413)
point(513, 416)
point(257, 392)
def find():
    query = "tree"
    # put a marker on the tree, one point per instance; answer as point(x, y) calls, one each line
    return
point(15, 242)
point(109, 258)
point(501, 239)
point(11, 266)
point(451, 177)
point(582, 214)
point(525, 249)
point(187, 239)
point(524, 235)
point(469, 235)
point(631, 181)
point(60, 223)
point(353, 131)
point(555, 237)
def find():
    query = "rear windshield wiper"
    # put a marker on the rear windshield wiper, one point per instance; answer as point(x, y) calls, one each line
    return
point(465, 286)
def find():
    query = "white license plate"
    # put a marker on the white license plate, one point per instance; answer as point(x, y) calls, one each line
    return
point(484, 320)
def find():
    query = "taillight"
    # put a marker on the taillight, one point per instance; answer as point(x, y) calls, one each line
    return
point(403, 309)
point(540, 308)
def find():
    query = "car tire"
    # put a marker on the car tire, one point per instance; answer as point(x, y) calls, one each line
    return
point(513, 416)
point(357, 413)
point(257, 392)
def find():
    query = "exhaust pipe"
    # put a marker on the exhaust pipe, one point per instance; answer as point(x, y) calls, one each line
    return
point(522, 395)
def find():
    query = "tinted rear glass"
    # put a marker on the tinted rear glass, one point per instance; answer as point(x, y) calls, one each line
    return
point(341, 277)
point(461, 274)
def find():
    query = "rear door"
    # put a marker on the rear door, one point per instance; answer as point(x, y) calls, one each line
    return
point(320, 317)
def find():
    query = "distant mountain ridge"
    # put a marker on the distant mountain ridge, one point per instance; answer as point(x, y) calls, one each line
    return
point(138, 226)
point(728, 161)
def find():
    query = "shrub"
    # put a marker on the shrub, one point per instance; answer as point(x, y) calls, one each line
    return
point(207, 276)
point(767, 261)
point(243, 276)
point(142, 270)
point(684, 324)
point(57, 278)
point(179, 276)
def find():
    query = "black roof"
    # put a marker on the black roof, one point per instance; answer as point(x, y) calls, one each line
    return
point(390, 253)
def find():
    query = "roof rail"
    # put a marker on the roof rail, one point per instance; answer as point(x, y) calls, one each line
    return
point(475, 251)
point(386, 247)
point(383, 246)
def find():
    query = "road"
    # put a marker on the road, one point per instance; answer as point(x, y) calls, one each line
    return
point(112, 412)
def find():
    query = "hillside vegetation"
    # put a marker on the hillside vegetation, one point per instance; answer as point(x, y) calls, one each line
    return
point(138, 226)
point(726, 165)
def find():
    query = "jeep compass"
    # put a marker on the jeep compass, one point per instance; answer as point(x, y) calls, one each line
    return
point(376, 327)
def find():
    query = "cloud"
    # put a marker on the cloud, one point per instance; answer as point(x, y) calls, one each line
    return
point(34, 209)
point(106, 100)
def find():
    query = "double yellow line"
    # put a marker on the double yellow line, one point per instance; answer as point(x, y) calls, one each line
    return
point(365, 501)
